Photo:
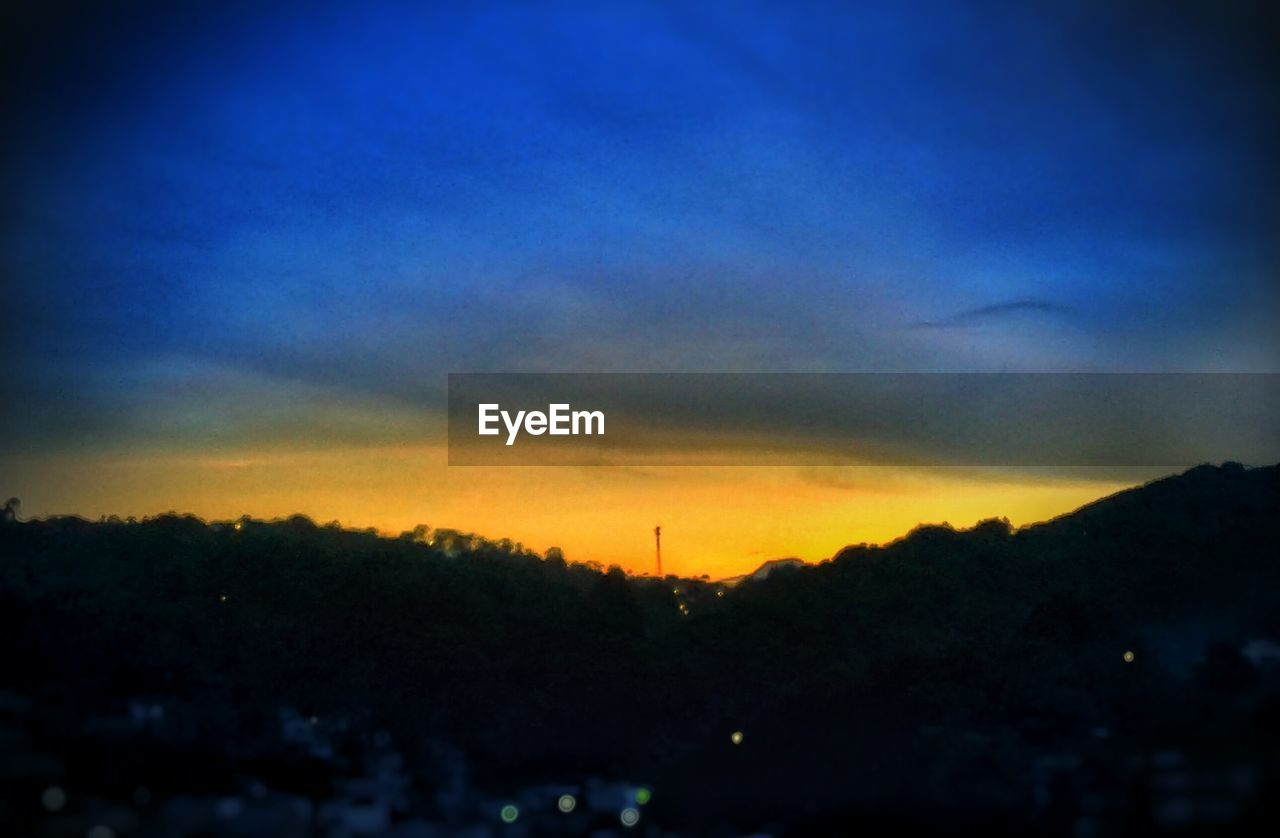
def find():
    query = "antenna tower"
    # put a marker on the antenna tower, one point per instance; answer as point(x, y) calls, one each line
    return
point(657, 540)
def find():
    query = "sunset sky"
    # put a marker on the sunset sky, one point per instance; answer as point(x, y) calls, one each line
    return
point(242, 248)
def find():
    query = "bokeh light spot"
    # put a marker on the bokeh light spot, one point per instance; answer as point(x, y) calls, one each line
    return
point(629, 816)
point(53, 798)
point(509, 813)
point(567, 803)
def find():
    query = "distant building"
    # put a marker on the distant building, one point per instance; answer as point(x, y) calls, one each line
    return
point(1261, 653)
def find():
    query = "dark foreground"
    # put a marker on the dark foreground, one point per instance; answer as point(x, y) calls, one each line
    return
point(1115, 671)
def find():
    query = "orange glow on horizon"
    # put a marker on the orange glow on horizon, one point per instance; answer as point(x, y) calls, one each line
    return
point(719, 521)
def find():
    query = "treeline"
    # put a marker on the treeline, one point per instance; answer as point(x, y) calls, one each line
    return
point(929, 679)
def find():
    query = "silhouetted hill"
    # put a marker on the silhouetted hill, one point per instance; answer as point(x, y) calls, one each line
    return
point(765, 570)
point(1013, 679)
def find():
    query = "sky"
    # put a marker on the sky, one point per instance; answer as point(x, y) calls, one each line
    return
point(243, 246)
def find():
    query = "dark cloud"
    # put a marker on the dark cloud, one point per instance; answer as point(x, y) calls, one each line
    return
point(994, 312)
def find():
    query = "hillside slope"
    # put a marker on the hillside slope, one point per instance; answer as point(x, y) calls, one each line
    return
point(943, 674)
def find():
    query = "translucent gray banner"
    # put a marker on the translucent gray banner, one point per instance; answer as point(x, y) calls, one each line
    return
point(921, 419)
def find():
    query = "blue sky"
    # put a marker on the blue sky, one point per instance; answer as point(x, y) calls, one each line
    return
point(294, 206)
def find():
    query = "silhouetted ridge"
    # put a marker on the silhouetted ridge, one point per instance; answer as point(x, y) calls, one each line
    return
point(943, 674)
